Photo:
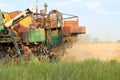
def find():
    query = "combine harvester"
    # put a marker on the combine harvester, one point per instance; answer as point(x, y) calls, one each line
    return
point(26, 33)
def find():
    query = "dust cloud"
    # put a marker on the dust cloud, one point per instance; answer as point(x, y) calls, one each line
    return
point(101, 51)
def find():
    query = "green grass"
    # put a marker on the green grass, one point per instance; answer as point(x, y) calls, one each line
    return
point(86, 70)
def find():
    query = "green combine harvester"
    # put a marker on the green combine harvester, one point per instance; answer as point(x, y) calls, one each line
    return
point(44, 35)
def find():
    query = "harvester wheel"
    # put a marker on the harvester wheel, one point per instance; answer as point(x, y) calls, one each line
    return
point(52, 58)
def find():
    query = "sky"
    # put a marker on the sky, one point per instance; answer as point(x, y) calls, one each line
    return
point(101, 17)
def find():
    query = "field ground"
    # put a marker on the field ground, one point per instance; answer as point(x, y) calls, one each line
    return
point(101, 51)
point(75, 65)
point(86, 70)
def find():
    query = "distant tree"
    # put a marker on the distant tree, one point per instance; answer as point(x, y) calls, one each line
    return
point(118, 41)
point(108, 41)
point(95, 40)
point(84, 38)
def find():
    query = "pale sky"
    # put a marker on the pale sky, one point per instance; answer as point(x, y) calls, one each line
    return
point(101, 17)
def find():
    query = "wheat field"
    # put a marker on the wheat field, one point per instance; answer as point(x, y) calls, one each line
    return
point(101, 51)
point(82, 65)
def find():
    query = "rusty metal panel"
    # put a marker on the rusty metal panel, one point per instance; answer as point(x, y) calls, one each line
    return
point(82, 29)
point(52, 22)
point(78, 30)
point(74, 30)
point(71, 23)
point(15, 13)
point(21, 29)
point(66, 30)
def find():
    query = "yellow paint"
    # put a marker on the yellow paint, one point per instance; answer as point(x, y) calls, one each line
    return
point(7, 17)
point(26, 21)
